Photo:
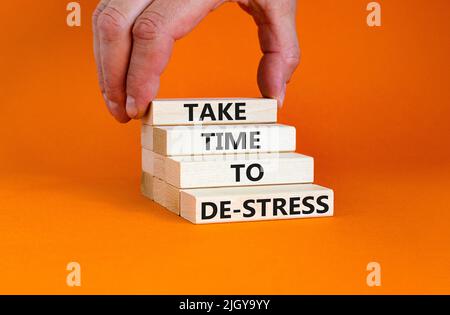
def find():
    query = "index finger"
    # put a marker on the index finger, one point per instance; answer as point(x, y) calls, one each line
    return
point(154, 34)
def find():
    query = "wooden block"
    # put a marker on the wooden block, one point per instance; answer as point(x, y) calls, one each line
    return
point(147, 185)
point(153, 163)
point(250, 203)
point(211, 111)
point(167, 195)
point(161, 192)
point(231, 204)
point(230, 170)
point(216, 139)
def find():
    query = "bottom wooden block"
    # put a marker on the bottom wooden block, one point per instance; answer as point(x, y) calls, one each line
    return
point(249, 203)
point(147, 185)
point(231, 204)
point(161, 192)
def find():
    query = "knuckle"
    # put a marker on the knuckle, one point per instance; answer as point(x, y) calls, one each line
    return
point(148, 26)
point(98, 10)
point(111, 23)
point(95, 16)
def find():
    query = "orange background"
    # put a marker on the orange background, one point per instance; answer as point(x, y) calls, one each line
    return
point(372, 105)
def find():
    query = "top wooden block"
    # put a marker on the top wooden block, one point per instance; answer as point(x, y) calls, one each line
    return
point(216, 111)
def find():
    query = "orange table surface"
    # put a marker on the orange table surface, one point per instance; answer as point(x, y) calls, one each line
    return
point(372, 105)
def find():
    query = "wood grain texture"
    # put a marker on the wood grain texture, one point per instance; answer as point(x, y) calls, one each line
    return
point(161, 192)
point(147, 185)
point(211, 111)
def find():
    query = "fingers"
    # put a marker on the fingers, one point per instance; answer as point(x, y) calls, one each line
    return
point(133, 41)
point(113, 32)
point(111, 105)
point(154, 34)
point(100, 7)
point(278, 39)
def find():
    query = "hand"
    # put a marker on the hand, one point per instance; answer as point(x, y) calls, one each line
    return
point(133, 41)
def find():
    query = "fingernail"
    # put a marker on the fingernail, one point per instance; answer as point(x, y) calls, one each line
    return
point(132, 109)
point(282, 95)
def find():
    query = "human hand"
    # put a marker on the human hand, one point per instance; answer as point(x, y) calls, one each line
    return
point(133, 41)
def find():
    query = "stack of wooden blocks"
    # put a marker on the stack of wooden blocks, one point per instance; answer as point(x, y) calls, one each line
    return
point(226, 160)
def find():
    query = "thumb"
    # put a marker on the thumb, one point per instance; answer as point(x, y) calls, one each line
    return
point(278, 40)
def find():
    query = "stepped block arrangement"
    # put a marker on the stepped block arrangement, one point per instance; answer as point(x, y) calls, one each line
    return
point(227, 160)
